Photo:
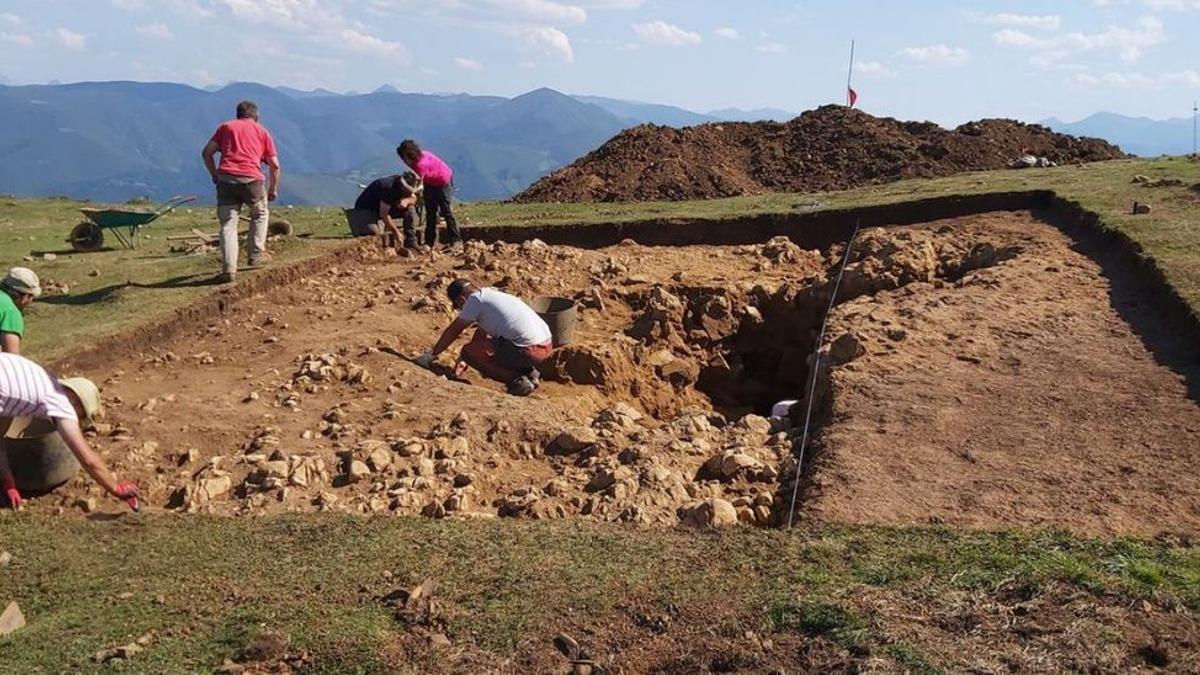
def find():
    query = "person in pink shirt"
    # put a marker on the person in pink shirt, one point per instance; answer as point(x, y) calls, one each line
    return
point(245, 145)
point(438, 179)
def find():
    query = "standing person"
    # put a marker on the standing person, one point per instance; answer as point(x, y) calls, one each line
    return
point(510, 343)
point(245, 146)
point(27, 393)
point(383, 200)
point(17, 292)
point(438, 178)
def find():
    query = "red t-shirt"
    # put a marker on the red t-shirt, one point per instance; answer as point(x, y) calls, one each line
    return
point(244, 146)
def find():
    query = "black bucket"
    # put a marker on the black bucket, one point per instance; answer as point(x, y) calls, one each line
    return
point(40, 464)
point(559, 315)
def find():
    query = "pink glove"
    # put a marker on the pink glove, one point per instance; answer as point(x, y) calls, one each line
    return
point(129, 492)
point(14, 497)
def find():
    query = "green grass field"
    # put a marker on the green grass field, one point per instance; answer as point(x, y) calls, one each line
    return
point(207, 586)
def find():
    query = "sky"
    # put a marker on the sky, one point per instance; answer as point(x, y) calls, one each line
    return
point(945, 61)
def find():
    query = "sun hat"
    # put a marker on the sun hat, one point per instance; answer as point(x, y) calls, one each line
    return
point(23, 280)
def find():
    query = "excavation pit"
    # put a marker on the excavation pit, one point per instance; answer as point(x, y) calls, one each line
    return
point(985, 370)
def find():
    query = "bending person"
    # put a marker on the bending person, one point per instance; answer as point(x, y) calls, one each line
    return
point(17, 292)
point(384, 200)
point(511, 340)
point(28, 392)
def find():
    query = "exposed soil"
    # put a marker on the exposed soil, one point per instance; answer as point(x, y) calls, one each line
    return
point(965, 389)
point(830, 148)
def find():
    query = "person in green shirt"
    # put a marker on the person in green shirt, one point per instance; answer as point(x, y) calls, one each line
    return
point(17, 292)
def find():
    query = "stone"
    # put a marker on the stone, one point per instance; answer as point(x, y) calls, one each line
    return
point(5, 558)
point(379, 459)
point(709, 513)
point(118, 653)
point(756, 424)
point(87, 505)
point(439, 641)
point(463, 480)
point(575, 440)
point(211, 488)
point(358, 471)
point(734, 463)
point(11, 620)
point(426, 467)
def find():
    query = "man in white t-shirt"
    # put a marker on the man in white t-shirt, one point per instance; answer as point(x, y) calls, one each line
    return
point(511, 340)
point(29, 393)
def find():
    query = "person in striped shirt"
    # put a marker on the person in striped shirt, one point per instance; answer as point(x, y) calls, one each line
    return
point(29, 392)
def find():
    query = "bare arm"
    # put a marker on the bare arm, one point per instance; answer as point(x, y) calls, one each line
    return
point(450, 335)
point(385, 214)
point(11, 343)
point(276, 177)
point(207, 153)
point(88, 459)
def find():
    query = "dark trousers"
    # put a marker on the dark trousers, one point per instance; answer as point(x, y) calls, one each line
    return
point(437, 200)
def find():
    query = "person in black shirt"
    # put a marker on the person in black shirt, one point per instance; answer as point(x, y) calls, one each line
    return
point(383, 201)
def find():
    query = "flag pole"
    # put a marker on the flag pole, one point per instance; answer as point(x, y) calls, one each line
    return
point(1194, 110)
point(850, 74)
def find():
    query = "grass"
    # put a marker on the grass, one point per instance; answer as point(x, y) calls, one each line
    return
point(209, 585)
point(116, 289)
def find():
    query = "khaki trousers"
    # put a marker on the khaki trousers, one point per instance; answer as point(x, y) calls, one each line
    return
point(230, 199)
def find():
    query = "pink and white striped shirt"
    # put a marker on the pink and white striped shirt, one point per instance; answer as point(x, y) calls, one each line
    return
point(27, 390)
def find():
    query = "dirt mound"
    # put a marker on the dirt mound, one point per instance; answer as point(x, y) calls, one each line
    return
point(830, 148)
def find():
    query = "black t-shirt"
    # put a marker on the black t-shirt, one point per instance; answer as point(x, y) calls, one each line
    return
point(389, 189)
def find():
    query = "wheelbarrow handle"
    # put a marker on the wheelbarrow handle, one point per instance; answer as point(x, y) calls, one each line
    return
point(174, 203)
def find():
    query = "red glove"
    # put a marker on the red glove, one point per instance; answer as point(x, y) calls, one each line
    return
point(129, 492)
point(14, 497)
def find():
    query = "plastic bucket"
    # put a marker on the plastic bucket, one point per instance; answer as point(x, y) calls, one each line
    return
point(40, 464)
point(559, 315)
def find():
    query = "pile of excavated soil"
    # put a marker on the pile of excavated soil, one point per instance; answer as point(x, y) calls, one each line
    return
point(965, 387)
point(830, 148)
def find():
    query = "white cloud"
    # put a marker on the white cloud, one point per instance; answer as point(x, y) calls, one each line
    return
point(772, 48)
point(69, 39)
point(873, 69)
point(1127, 43)
point(369, 44)
point(468, 64)
point(1177, 5)
point(1046, 22)
point(727, 33)
point(541, 11)
point(1184, 78)
point(663, 33)
point(612, 4)
point(158, 31)
point(548, 41)
point(19, 39)
point(939, 54)
point(11, 19)
point(130, 5)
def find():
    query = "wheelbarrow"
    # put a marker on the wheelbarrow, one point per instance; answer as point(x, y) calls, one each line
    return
point(89, 235)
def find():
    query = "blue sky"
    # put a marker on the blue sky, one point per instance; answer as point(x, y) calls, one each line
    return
point(944, 61)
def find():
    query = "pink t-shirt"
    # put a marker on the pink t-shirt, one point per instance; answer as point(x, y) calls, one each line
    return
point(245, 145)
point(432, 170)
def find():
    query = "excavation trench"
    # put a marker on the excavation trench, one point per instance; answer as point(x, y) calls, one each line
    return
point(655, 414)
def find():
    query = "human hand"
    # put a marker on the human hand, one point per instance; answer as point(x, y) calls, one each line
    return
point(14, 498)
point(425, 360)
point(128, 491)
point(272, 195)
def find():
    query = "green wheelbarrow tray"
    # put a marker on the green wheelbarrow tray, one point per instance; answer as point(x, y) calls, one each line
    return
point(125, 224)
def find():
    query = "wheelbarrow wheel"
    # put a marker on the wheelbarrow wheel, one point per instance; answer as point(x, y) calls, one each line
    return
point(87, 236)
point(281, 228)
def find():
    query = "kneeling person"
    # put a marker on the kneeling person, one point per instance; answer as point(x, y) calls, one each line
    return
point(382, 201)
point(28, 393)
point(511, 340)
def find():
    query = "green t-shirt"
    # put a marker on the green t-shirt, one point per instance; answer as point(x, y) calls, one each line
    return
point(11, 320)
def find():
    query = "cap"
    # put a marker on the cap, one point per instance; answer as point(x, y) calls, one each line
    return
point(23, 280)
point(36, 427)
point(456, 288)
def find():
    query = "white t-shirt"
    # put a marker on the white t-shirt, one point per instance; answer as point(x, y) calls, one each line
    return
point(27, 390)
point(505, 316)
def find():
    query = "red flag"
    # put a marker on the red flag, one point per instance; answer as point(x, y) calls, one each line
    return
point(852, 95)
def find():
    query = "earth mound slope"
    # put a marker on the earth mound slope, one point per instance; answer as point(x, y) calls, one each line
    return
point(830, 148)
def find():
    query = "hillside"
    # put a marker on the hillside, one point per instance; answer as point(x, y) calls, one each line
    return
point(110, 141)
point(830, 148)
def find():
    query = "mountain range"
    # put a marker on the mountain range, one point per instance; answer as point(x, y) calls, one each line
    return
point(112, 141)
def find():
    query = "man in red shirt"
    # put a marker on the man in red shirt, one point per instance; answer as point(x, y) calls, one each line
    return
point(245, 146)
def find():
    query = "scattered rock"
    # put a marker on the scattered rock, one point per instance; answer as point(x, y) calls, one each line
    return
point(5, 558)
point(118, 653)
point(575, 440)
point(11, 619)
point(709, 513)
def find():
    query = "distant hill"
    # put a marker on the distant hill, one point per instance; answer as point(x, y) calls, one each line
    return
point(636, 112)
point(1137, 135)
point(755, 115)
point(111, 141)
